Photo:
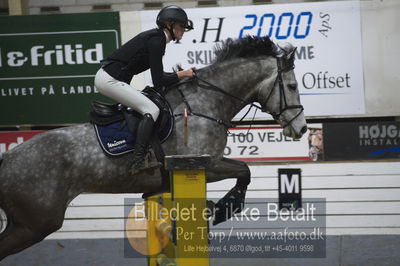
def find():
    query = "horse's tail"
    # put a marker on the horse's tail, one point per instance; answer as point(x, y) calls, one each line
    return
point(3, 216)
point(3, 221)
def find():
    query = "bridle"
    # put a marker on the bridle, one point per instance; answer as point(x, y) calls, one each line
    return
point(283, 106)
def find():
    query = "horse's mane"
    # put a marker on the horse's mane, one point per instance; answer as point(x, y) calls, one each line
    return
point(249, 46)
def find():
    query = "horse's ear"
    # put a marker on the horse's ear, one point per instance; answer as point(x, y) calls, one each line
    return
point(277, 50)
point(291, 55)
point(286, 48)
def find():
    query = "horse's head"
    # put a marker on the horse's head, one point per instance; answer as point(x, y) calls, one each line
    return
point(282, 100)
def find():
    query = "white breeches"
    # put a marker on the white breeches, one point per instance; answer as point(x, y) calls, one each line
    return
point(124, 94)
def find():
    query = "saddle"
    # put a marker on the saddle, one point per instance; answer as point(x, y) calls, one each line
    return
point(114, 124)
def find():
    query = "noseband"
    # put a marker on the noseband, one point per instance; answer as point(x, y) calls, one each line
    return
point(283, 105)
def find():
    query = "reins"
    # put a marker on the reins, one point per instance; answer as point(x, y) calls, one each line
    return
point(212, 86)
point(227, 124)
point(209, 85)
point(283, 105)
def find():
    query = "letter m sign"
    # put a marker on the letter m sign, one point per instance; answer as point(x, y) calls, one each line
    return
point(289, 188)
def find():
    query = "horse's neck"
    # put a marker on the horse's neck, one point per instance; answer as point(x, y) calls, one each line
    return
point(238, 77)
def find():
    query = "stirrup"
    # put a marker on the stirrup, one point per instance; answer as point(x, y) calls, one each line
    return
point(145, 164)
point(151, 166)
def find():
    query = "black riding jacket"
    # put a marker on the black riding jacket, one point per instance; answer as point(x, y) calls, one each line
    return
point(142, 52)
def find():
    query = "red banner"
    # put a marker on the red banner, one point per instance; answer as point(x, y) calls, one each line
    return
point(10, 139)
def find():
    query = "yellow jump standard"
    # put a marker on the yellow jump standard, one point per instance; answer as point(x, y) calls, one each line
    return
point(182, 214)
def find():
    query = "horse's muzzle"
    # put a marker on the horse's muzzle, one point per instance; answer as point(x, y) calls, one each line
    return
point(303, 130)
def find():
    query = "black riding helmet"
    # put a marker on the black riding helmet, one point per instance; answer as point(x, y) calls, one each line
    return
point(173, 14)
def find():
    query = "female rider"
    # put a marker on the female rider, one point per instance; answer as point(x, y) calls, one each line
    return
point(142, 52)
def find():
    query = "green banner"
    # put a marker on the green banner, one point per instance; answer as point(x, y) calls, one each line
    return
point(48, 63)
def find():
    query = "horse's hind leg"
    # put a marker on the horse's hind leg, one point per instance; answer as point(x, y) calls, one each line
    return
point(233, 201)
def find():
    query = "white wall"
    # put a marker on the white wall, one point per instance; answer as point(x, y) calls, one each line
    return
point(363, 198)
point(381, 53)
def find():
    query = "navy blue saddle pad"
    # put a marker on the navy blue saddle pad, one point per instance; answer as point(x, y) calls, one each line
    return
point(112, 129)
point(115, 139)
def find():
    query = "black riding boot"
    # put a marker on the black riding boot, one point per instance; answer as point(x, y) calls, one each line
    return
point(144, 133)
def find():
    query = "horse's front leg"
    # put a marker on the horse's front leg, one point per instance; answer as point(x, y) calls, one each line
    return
point(233, 201)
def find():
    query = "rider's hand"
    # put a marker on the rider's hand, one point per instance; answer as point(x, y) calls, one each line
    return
point(186, 73)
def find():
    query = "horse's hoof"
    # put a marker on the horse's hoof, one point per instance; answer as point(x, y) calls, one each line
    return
point(219, 215)
point(230, 204)
point(210, 205)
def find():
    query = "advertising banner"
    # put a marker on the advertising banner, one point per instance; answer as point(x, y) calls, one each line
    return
point(265, 144)
point(327, 35)
point(358, 141)
point(10, 139)
point(48, 63)
point(257, 144)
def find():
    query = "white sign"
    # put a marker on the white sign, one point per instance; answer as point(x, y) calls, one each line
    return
point(328, 36)
point(265, 144)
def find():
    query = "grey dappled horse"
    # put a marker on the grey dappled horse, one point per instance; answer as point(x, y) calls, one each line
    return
point(37, 183)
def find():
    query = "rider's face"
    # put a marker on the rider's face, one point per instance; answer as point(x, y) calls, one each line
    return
point(179, 30)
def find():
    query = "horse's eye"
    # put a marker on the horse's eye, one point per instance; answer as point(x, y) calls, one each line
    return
point(292, 86)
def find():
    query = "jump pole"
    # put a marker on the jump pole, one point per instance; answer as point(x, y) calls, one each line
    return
point(188, 228)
